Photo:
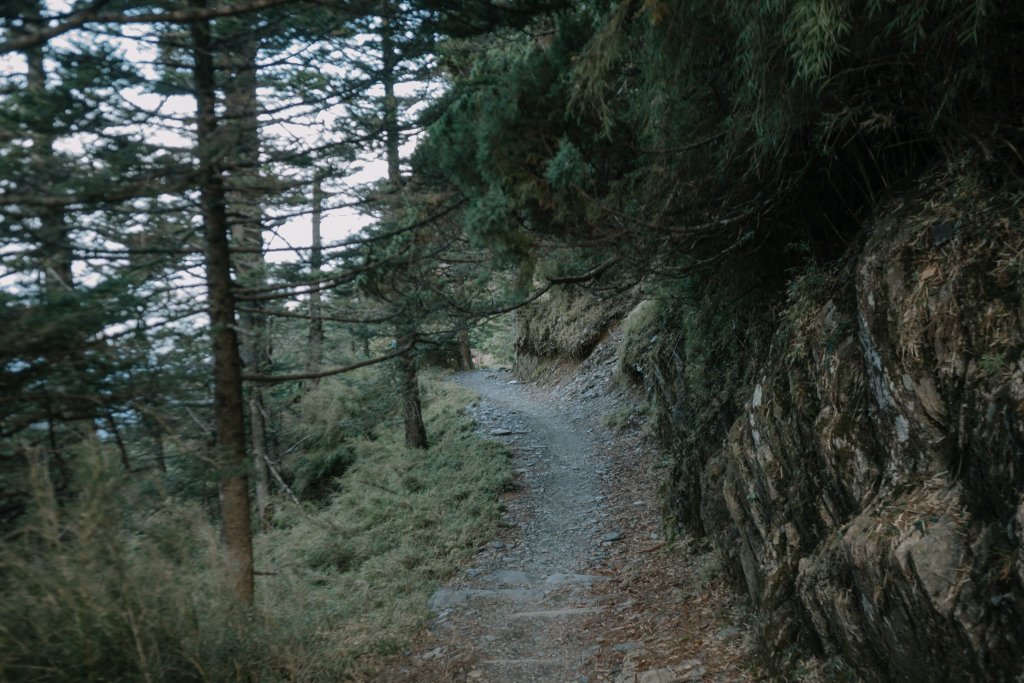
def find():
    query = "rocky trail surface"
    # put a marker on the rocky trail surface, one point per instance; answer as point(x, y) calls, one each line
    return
point(580, 585)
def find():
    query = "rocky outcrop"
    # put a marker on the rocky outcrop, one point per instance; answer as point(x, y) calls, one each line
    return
point(565, 324)
point(874, 482)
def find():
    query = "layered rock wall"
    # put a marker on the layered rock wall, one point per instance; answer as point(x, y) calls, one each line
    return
point(564, 325)
point(874, 481)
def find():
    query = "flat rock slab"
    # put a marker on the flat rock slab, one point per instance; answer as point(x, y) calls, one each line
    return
point(689, 671)
point(572, 579)
point(449, 597)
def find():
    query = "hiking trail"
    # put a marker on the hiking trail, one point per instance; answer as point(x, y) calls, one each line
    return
point(580, 585)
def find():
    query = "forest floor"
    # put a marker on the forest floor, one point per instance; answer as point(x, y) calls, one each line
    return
point(580, 584)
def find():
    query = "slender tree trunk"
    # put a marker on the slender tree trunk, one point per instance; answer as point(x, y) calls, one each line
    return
point(316, 324)
point(229, 415)
point(56, 253)
point(260, 455)
point(119, 442)
point(245, 213)
point(389, 60)
point(465, 350)
point(158, 445)
point(409, 388)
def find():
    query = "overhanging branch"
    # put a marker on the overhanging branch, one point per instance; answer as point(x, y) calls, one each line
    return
point(275, 379)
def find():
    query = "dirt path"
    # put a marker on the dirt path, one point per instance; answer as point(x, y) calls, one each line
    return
point(579, 586)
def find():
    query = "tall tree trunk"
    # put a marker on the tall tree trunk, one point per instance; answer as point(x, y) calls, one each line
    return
point(389, 61)
point(260, 455)
point(245, 214)
point(314, 357)
point(465, 350)
point(122, 450)
point(158, 443)
point(409, 386)
point(229, 414)
point(56, 254)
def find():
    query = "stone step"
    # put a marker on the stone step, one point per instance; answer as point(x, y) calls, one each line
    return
point(451, 597)
point(554, 613)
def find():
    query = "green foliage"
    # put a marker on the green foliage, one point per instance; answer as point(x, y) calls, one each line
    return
point(314, 471)
point(779, 120)
point(993, 363)
point(495, 341)
point(400, 523)
point(506, 139)
point(56, 338)
point(568, 169)
point(351, 405)
point(124, 583)
point(322, 428)
point(814, 33)
point(629, 417)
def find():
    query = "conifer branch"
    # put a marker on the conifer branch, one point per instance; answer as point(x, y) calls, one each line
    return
point(276, 379)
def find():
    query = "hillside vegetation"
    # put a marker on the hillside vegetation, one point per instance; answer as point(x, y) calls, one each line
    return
point(125, 582)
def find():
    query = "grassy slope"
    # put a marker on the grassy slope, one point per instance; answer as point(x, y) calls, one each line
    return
point(402, 522)
point(114, 587)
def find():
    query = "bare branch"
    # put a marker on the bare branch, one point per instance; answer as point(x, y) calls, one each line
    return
point(274, 379)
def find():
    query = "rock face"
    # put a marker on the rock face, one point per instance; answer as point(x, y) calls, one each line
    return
point(874, 481)
point(565, 323)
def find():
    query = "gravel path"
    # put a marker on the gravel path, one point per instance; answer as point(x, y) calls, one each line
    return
point(579, 585)
point(557, 459)
point(516, 615)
